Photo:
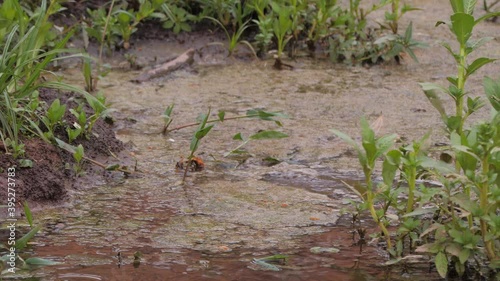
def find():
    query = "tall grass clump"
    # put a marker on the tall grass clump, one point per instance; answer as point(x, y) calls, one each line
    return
point(24, 59)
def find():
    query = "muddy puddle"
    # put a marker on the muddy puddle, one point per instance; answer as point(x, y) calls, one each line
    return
point(232, 212)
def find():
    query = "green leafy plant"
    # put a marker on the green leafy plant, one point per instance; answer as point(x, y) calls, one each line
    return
point(392, 18)
point(101, 111)
point(265, 24)
point(456, 222)
point(21, 64)
point(221, 117)
point(461, 25)
point(167, 119)
point(175, 17)
point(235, 38)
point(323, 16)
point(103, 26)
point(20, 244)
point(371, 149)
point(282, 28)
point(53, 117)
point(78, 155)
point(199, 134)
point(79, 126)
point(204, 126)
point(129, 19)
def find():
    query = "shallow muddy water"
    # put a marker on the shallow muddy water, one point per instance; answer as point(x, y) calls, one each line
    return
point(225, 216)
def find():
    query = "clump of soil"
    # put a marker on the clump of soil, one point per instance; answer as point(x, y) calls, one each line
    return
point(49, 179)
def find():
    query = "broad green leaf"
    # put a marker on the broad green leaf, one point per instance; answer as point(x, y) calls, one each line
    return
point(23, 241)
point(56, 111)
point(390, 166)
point(441, 264)
point(452, 80)
point(264, 115)
point(452, 122)
point(368, 140)
point(464, 255)
point(421, 211)
point(221, 115)
point(465, 149)
point(383, 144)
point(25, 163)
point(459, 268)
point(463, 201)
point(492, 91)
point(203, 132)
point(430, 163)
point(345, 138)
point(454, 249)
point(430, 92)
point(268, 135)
point(473, 45)
point(434, 227)
point(462, 25)
point(469, 6)
point(168, 111)
point(40, 261)
point(29, 215)
point(457, 5)
point(350, 141)
point(477, 64)
point(69, 148)
point(79, 153)
point(238, 137)
point(409, 32)
point(487, 16)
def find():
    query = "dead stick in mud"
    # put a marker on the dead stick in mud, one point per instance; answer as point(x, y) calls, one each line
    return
point(182, 60)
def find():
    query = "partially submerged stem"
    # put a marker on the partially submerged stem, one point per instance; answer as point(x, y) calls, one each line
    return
point(370, 197)
point(166, 130)
point(105, 167)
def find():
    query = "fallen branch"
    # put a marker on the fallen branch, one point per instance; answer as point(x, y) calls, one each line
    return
point(182, 60)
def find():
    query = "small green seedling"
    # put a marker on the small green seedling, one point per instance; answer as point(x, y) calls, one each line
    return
point(235, 38)
point(199, 134)
point(167, 119)
point(53, 117)
point(282, 28)
point(78, 156)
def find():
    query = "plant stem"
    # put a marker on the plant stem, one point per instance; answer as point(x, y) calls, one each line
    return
point(370, 198)
point(395, 10)
point(459, 110)
point(461, 89)
point(483, 203)
point(209, 121)
point(102, 40)
point(378, 220)
point(412, 173)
